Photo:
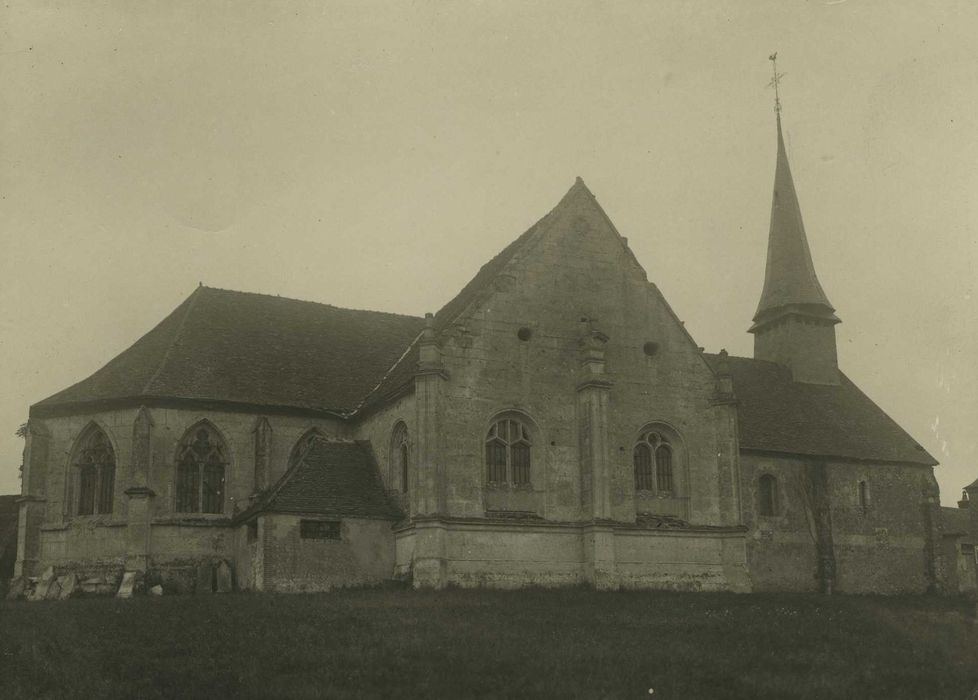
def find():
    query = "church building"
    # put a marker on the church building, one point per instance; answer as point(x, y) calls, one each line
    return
point(553, 424)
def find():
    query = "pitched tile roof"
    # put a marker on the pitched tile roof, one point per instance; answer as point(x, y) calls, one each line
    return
point(335, 479)
point(776, 414)
point(957, 521)
point(252, 349)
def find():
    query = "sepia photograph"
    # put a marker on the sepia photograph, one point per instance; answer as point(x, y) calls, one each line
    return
point(489, 349)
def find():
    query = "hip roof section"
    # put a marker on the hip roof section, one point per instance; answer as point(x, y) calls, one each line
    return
point(252, 349)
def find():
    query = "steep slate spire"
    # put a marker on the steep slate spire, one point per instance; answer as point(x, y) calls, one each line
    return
point(790, 275)
point(795, 323)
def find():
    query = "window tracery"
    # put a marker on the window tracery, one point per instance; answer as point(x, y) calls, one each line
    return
point(508, 453)
point(652, 459)
point(96, 474)
point(201, 466)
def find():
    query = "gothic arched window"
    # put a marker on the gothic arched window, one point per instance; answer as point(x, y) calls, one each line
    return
point(400, 457)
point(508, 453)
point(96, 474)
point(652, 461)
point(201, 463)
point(767, 495)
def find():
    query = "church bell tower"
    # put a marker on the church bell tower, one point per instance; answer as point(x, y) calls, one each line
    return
point(795, 323)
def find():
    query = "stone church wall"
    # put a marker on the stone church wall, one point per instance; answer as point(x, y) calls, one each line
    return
point(363, 554)
point(880, 548)
point(511, 556)
point(681, 560)
point(483, 553)
point(377, 428)
point(580, 270)
point(67, 539)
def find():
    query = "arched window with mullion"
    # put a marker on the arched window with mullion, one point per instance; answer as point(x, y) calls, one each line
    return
point(509, 453)
point(201, 467)
point(96, 474)
point(652, 460)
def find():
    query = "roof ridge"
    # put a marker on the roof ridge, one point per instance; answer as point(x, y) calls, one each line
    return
point(176, 336)
point(306, 301)
point(744, 357)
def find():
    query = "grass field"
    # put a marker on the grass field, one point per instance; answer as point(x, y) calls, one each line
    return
point(459, 644)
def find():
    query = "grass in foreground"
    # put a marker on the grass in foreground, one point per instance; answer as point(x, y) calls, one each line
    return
point(461, 644)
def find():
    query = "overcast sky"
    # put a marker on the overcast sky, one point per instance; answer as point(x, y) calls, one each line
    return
point(374, 155)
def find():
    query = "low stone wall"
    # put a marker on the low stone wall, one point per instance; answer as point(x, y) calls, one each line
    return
point(472, 553)
point(684, 560)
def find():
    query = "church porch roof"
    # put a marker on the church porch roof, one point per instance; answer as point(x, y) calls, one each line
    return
point(334, 479)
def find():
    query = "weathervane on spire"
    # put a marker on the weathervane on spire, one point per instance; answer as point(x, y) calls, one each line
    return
point(773, 58)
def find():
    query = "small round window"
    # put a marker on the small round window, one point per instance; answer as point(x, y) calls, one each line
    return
point(524, 333)
point(650, 348)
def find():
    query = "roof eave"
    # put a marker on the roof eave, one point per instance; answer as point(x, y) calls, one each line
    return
point(926, 460)
point(56, 410)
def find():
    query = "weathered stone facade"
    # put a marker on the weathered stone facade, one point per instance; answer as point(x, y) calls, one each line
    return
point(554, 424)
point(877, 547)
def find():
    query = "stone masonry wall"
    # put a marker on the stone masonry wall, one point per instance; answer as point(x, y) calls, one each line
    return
point(511, 555)
point(378, 428)
point(363, 555)
point(580, 269)
point(68, 538)
point(880, 548)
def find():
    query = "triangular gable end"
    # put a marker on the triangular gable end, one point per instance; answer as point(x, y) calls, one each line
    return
point(573, 204)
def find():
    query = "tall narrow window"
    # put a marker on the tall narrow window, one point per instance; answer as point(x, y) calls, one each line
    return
point(652, 462)
point(509, 453)
point(767, 494)
point(201, 472)
point(663, 468)
point(399, 455)
point(96, 474)
point(642, 457)
point(862, 493)
point(404, 467)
